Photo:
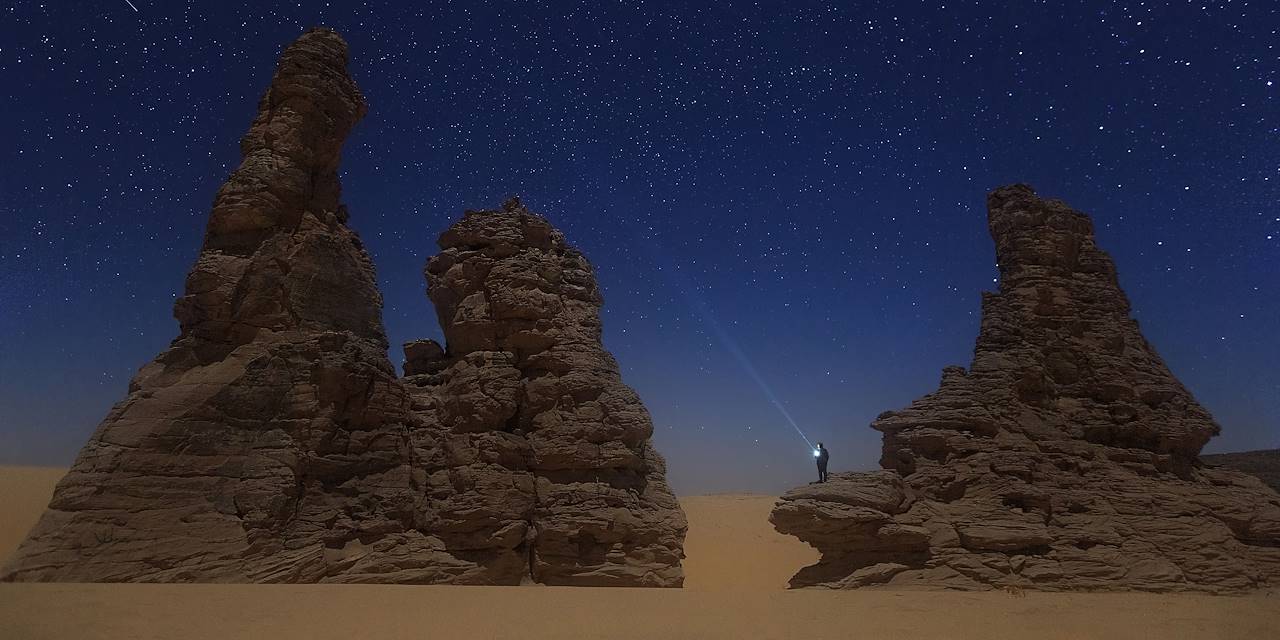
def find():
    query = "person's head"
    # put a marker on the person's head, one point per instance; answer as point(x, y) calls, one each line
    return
point(820, 446)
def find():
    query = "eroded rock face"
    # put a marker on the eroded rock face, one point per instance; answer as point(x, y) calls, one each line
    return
point(1065, 457)
point(235, 454)
point(273, 442)
point(545, 452)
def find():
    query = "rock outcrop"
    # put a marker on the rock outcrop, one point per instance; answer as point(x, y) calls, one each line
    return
point(273, 441)
point(1065, 457)
point(543, 452)
point(236, 453)
point(1263, 464)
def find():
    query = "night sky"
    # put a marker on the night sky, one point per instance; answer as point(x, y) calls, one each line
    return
point(795, 186)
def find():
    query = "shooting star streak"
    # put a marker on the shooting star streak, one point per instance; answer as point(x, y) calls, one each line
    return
point(135, 9)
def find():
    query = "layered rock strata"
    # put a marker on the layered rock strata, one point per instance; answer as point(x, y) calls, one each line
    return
point(1263, 464)
point(273, 441)
point(237, 452)
point(541, 452)
point(1065, 457)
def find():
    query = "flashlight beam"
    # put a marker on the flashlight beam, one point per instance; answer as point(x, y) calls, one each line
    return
point(731, 346)
point(685, 286)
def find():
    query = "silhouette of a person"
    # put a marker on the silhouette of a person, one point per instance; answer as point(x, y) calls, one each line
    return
point(823, 455)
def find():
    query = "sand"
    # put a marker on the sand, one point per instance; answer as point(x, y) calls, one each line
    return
point(737, 568)
point(24, 493)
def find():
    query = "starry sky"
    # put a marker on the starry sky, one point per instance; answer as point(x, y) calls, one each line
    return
point(783, 200)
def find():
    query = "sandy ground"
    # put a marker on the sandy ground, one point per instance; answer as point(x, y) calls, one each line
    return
point(24, 493)
point(737, 568)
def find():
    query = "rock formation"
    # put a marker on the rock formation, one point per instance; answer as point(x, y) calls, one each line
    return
point(273, 442)
point(1263, 464)
point(543, 453)
point(234, 454)
point(1065, 457)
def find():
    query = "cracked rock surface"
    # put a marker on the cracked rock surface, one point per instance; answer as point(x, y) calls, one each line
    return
point(1064, 457)
point(273, 441)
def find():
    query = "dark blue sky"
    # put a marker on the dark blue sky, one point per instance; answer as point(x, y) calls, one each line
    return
point(807, 177)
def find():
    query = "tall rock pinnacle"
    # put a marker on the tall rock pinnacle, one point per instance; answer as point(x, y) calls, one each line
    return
point(529, 417)
point(1065, 457)
point(232, 456)
point(273, 442)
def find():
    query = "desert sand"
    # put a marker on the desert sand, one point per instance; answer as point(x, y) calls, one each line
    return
point(24, 492)
point(737, 568)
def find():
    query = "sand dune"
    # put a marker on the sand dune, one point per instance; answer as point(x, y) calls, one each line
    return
point(736, 569)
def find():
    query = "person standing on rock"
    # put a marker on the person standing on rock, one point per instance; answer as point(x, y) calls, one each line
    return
point(822, 455)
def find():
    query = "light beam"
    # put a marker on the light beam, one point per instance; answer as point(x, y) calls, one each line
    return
point(687, 290)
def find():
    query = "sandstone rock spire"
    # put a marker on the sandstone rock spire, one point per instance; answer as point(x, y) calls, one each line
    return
point(1065, 457)
point(235, 454)
point(527, 419)
point(273, 442)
